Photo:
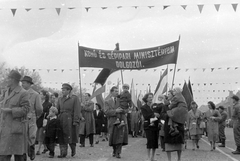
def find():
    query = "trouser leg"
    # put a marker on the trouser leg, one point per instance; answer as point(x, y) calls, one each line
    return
point(5, 157)
point(162, 142)
point(82, 139)
point(90, 139)
point(63, 149)
point(51, 148)
point(118, 148)
point(73, 148)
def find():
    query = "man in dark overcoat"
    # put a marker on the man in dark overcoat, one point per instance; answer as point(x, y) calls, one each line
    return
point(236, 122)
point(14, 107)
point(222, 125)
point(69, 117)
point(118, 136)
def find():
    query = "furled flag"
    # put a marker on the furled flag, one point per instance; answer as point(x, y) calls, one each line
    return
point(105, 73)
point(133, 95)
point(187, 95)
point(190, 87)
point(139, 100)
point(97, 95)
point(161, 86)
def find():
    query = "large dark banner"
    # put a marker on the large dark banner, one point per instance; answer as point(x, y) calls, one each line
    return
point(129, 59)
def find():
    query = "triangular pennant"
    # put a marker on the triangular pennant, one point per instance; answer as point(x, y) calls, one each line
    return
point(219, 68)
point(217, 6)
point(228, 68)
point(178, 70)
point(48, 70)
point(13, 11)
point(87, 8)
point(104, 8)
point(186, 70)
point(71, 8)
point(171, 70)
point(200, 7)
point(54, 70)
point(41, 8)
point(212, 69)
point(204, 69)
point(27, 9)
point(235, 6)
point(155, 70)
point(119, 7)
point(150, 7)
point(62, 70)
point(164, 7)
point(236, 68)
point(184, 6)
point(34, 70)
point(58, 11)
point(195, 69)
point(135, 7)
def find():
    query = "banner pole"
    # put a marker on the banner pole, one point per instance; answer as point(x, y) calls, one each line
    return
point(117, 49)
point(79, 72)
point(175, 64)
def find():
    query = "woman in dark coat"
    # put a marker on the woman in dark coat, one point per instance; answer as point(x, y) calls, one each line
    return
point(98, 116)
point(151, 128)
point(40, 132)
point(104, 129)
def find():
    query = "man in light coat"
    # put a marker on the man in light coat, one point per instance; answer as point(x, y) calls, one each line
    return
point(118, 135)
point(35, 111)
point(13, 120)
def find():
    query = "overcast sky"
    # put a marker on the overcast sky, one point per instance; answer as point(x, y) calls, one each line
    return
point(42, 39)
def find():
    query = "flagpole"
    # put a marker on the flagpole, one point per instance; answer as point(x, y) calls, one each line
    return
point(175, 64)
point(80, 84)
point(117, 49)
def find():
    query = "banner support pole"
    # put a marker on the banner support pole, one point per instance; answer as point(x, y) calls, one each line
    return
point(117, 49)
point(174, 73)
point(80, 78)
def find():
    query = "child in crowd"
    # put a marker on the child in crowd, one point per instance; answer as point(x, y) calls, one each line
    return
point(125, 102)
point(51, 130)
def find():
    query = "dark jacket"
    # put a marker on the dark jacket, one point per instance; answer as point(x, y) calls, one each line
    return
point(52, 129)
point(98, 120)
point(125, 100)
point(148, 113)
point(46, 106)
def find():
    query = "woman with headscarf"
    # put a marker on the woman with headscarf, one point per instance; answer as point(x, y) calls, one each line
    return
point(177, 115)
point(150, 126)
point(193, 124)
point(212, 116)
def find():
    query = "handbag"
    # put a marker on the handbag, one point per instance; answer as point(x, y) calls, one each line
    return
point(202, 125)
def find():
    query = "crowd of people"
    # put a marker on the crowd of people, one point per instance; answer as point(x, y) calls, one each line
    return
point(28, 118)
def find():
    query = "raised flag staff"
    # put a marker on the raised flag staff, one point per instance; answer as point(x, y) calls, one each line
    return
point(175, 64)
point(80, 78)
point(117, 49)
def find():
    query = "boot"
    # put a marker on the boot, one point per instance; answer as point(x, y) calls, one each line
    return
point(237, 151)
point(31, 152)
point(223, 143)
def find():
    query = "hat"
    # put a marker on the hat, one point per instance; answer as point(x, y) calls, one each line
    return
point(14, 74)
point(235, 97)
point(125, 85)
point(27, 79)
point(67, 86)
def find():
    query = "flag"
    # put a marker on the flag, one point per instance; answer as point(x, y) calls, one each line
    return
point(139, 100)
point(187, 95)
point(97, 95)
point(161, 86)
point(106, 72)
point(190, 87)
point(133, 95)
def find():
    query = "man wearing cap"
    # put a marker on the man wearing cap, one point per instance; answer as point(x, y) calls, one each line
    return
point(236, 123)
point(222, 125)
point(35, 111)
point(69, 117)
point(118, 136)
point(13, 120)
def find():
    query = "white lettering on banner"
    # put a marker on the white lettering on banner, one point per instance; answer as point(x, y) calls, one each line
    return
point(119, 56)
point(129, 64)
point(154, 53)
point(90, 54)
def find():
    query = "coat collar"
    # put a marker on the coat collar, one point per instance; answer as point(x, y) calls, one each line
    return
point(15, 91)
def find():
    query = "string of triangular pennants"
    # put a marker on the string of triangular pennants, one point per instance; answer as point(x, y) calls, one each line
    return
point(200, 7)
point(146, 70)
